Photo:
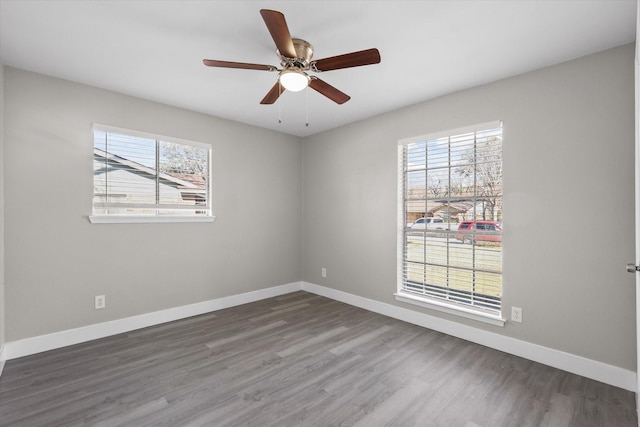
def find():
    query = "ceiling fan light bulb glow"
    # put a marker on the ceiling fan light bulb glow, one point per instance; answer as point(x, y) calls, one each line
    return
point(293, 80)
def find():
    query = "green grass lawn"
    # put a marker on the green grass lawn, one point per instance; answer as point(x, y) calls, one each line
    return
point(429, 259)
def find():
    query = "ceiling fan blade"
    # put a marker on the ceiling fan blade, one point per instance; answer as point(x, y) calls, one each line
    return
point(348, 60)
point(273, 94)
point(279, 30)
point(329, 91)
point(243, 65)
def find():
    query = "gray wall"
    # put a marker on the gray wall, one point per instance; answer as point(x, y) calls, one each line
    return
point(56, 261)
point(2, 306)
point(568, 201)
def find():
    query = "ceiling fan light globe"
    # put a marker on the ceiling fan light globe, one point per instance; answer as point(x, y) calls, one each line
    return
point(293, 80)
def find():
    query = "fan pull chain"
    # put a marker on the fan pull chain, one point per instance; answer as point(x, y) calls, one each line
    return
point(280, 103)
point(307, 110)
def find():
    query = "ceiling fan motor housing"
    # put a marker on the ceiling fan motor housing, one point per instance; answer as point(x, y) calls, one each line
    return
point(304, 53)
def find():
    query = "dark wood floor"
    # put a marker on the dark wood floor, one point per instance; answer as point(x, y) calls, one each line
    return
point(298, 360)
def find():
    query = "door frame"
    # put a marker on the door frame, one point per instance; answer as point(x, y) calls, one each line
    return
point(637, 199)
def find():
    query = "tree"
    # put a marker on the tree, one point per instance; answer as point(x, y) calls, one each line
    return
point(483, 165)
point(436, 188)
point(186, 159)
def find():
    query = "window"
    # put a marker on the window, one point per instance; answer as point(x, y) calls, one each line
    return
point(456, 179)
point(146, 178)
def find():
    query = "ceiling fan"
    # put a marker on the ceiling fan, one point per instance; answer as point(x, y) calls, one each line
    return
point(295, 58)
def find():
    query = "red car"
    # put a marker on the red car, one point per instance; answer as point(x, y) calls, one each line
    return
point(479, 231)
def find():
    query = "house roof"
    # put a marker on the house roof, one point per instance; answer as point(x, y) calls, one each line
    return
point(197, 181)
point(181, 181)
point(419, 201)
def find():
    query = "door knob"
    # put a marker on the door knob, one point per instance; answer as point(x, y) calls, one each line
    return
point(632, 268)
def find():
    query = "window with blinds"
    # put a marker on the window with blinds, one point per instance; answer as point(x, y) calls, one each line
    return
point(143, 175)
point(450, 214)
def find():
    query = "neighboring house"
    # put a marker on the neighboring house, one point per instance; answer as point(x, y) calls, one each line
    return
point(459, 210)
point(134, 185)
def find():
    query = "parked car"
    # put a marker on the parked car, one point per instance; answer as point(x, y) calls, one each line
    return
point(479, 231)
point(430, 223)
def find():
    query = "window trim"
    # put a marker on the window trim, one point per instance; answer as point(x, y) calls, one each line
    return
point(149, 135)
point(144, 219)
point(437, 304)
point(138, 219)
point(450, 308)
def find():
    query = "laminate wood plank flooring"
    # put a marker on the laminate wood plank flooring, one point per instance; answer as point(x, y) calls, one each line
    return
point(298, 360)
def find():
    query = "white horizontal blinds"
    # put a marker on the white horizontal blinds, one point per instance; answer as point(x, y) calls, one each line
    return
point(138, 175)
point(126, 168)
point(415, 180)
point(458, 178)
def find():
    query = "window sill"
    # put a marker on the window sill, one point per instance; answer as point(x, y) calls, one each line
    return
point(141, 219)
point(496, 320)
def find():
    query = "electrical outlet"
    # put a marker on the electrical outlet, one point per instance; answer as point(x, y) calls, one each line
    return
point(324, 272)
point(100, 302)
point(516, 314)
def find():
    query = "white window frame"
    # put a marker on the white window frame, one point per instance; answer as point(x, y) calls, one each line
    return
point(154, 218)
point(467, 311)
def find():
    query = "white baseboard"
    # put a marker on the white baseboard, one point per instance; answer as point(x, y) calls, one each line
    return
point(3, 358)
point(28, 346)
point(588, 368)
point(598, 371)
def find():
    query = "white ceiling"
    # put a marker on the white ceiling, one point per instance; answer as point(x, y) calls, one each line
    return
point(154, 49)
